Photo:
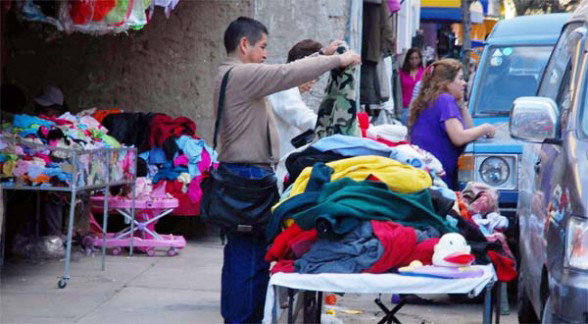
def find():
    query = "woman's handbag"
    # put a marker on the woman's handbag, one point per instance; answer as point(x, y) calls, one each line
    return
point(235, 203)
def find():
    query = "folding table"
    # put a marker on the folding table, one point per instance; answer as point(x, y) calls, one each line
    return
point(391, 283)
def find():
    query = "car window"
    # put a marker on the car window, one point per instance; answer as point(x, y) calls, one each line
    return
point(509, 72)
point(564, 96)
point(575, 47)
point(559, 62)
point(584, 102)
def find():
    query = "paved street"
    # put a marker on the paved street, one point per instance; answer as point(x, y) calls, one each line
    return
point(180, 289)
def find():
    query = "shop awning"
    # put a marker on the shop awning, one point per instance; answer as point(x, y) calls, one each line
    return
point(450, 10)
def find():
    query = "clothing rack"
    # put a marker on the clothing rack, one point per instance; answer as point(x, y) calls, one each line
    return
point(92, 170)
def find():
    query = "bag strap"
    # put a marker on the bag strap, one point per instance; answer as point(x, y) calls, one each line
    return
point(221, 105)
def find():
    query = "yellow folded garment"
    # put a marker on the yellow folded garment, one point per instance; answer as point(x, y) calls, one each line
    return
point(8, 168)
point(398, 176)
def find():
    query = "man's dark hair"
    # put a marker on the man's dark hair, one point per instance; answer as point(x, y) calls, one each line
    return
point(250, 28)
point(303, 49)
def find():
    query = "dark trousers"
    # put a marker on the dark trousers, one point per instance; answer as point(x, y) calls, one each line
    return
point(245, 273)
point(245, 277)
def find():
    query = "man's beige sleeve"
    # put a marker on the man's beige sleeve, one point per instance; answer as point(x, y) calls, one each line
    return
point(259, 80)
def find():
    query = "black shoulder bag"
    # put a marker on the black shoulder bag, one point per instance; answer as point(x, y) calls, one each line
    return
point(235, 203)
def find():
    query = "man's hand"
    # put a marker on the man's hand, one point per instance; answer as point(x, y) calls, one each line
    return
point(330, 50)
point(349, 58)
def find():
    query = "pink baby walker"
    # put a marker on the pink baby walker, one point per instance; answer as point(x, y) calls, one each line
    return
point(150, 206)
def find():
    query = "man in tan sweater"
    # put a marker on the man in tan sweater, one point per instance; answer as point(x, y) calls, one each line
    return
point(249, 147)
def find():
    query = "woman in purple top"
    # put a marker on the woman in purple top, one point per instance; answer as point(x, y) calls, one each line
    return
point(438, 123)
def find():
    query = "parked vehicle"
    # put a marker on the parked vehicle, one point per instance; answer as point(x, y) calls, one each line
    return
point(511, 66)
point(553, 186)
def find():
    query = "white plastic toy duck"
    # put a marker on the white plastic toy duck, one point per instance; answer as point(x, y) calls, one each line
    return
point(452, 251)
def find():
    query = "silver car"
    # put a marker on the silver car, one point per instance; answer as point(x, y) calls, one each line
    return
point(553, 184)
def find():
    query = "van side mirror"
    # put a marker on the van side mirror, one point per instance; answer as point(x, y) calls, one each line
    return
point(534, 119)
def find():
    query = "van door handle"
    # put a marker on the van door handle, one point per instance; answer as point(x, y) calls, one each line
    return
point(538, 166)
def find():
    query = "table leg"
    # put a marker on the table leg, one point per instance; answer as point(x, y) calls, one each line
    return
point(2, 227)
point(105, 225)
point(319, 306)
point(487, 317)
point(66, 276)
point(290, 305)
point(497, 296)
point(38, 216)
point(133, 211)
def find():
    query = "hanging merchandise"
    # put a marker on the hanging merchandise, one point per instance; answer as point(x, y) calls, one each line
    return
point(94, 16)
point(32, 11)
point(104, 16)
point(338, 111)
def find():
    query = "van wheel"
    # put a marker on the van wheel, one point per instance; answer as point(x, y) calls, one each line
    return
point(526, 312)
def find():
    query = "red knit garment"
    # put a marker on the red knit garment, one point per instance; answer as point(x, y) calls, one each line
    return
point(283, 266)
point(163, 126)
point(283, 245)
point(400, 246)
point(504, 266)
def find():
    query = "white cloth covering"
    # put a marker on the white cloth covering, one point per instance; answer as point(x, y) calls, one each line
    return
point(367, 283)
point(293, 117)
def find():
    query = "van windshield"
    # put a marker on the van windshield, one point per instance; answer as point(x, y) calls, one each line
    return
point(509, 72)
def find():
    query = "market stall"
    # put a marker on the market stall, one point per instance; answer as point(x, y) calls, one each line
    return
point(371, 214)
point(67, 154)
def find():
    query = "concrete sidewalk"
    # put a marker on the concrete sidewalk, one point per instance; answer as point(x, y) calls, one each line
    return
point(162, 289)
point(179, 289)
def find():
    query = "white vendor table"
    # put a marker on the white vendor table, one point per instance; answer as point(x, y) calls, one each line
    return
point(388, 283)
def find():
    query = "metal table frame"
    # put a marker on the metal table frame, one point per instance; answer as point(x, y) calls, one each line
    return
point(312, 301)
point(74, 190)
point(311, 286)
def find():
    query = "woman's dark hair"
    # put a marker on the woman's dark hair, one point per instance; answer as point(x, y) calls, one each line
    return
point(406, 64)
point(303, 49)
point(250, 28)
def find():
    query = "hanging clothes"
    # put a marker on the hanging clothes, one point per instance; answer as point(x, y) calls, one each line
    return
point(377, 32)
point(378, 42)
point(338, 111)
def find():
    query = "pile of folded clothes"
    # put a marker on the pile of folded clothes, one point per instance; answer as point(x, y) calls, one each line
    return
point(354, 205)
point(47, 151)
point(171, 154)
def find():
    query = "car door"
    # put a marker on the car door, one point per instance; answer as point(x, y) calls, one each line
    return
point(551, 167)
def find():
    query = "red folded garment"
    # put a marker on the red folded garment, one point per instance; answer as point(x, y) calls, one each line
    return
point(398, 241)
point(400, 246)
point(292, 243)
point(283, 266)
point(187, 207)
point(504, 266)
point(280, 245)
point(163, 126)
point(302, 243)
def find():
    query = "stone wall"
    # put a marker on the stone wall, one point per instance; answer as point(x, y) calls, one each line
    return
point(170, 65)
point(290, 21)
point(166, 67)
